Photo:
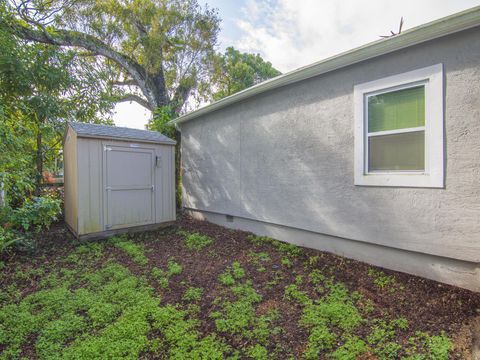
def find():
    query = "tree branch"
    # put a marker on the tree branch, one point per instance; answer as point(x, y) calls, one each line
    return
point(78, 39)
point(137, 99)
point(180, 97)
point(128, 82)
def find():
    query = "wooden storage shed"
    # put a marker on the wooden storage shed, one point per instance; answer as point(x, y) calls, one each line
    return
point(117, 179)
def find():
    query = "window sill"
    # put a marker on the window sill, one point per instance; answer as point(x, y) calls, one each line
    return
point(401, 180)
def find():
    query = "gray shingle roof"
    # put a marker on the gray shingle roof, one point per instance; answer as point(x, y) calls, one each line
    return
point(111, 132)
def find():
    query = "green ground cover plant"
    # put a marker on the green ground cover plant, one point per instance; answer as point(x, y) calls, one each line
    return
point(106, 299)
point(285, 248)
point(259, 259)
point(135, 251)
point(238, 317)
point(231, 274)
point(380, 278)
point(193, 294)
point(163, 276)
point(115, 311)
point(196, 241)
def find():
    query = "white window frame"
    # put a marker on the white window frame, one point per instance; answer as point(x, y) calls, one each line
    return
point(433, 176)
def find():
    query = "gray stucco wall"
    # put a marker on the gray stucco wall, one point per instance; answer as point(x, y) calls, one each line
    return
point(286, 157)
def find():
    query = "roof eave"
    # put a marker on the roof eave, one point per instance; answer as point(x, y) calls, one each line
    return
point(118, 138)
point(168, 141)
point(442, 27)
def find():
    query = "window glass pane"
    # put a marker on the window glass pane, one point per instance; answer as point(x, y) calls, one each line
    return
point(404, 151)
point(397, 109)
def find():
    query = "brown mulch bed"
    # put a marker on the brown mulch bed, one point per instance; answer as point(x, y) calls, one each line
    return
point(430, 306)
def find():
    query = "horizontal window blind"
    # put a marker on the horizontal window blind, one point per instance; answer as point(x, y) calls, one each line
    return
point(397, 110)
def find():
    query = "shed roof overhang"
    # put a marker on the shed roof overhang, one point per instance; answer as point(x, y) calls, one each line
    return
point(94, 131)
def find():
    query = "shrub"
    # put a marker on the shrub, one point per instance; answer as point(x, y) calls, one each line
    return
point(13, 239)
point(39, 213)
point(7, 238)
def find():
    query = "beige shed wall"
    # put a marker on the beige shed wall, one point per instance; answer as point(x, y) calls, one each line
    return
point(70, 179)
point(90, 183)
point(165, 180)
point(90, 195)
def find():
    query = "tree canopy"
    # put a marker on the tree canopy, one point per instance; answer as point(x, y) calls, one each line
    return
point(42, 87)
point(74, 59)
point(161, 47)
point(235, 71)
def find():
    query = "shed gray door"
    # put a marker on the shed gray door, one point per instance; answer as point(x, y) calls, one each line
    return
point(129, 179)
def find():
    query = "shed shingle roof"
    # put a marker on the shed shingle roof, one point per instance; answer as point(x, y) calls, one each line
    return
point(115, 132)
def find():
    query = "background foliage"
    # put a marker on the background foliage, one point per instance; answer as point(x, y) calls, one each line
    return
point(235, 71)
point(72, 61)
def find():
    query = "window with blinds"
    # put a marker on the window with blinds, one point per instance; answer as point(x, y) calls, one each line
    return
point(396, 130)
point(399, 125)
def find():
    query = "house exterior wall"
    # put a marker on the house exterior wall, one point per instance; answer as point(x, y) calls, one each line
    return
point(286, 158)
point(89, 199)
point(70, 179)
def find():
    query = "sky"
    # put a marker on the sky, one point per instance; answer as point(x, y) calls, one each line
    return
point(294, 33)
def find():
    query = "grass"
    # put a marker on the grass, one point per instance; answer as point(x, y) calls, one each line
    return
point(267, 300)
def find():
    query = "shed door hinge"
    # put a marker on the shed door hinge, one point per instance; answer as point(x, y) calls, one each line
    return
point(108, 188)
point(108, 227)
point(106, 148)
point(153, 187)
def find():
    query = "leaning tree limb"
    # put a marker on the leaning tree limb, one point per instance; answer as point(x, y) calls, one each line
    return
point(136, 98)
point(151, 87)
point(128, 82)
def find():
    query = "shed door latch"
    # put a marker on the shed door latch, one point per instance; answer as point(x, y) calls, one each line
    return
point(153, 187)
